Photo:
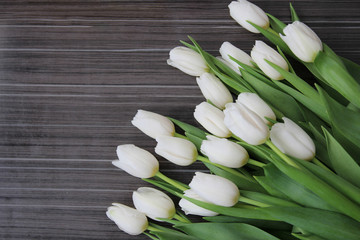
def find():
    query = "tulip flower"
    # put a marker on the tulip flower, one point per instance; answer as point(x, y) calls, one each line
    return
point(302, 41)
point(253, 102)
point(262, 52)
point(136, 161)
point(243, 11)
point(212, 119)
point(215, 189)
point(245, 124)
point(227, 50)
point(224, 152)
point(177, 150)
point(188, 61)
point(235, 69)
point(292, 140)
point(154, 203)
point(127, 219)
point(153, 124)
point(214, 90)
point(193, 209)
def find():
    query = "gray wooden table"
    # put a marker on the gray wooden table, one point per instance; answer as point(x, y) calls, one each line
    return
point(72, 75)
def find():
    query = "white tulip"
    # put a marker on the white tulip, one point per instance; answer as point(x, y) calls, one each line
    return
point(153, 124)
point(253, 102)
point(242, 11)
point(224, 152)
point(245, 124)
point(262, 52)
point(292, 140)
point(227, 50)
point(302, 41)
point(215, 189)
point(188, 61)
point(177, 150)
point(214, 90)
point(235, 69)
point(190, 208)
point(212, 119)
point(154, 203)
point(136, 161)
point(127, 219)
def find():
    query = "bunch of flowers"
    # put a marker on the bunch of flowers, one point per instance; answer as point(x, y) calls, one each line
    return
point(283, 158)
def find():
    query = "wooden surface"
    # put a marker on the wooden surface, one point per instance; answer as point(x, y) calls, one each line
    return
point(72, 75)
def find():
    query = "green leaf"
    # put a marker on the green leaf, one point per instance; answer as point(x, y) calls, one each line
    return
point(228, 231)
point(307, 236)
point(294, 190)
point(337, 182)
point(314, 106)
point(353, 68)
point(269, 186)
point(275, 225)
point(276, 24)
point(267, 199)
point(278, 99)
point(189, 128)
point(342, 162)
point(326, 192)
point(231, 73)
point(338, 77)
point(298, 83)
point(345, 123)
point(195, 140)
point(326, 224)
point(173, 236)
point(242, 182)
point(294, 16)
point(320, 145)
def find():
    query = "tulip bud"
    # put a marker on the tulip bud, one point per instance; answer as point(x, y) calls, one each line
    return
point(292, 140)
point(253, 102)
point(153, 124)
point(136, 161)
point(224, 152)
point(177, 150)
point(242, 11)
point(188, 61)
point(215, 189)
point(154, 203)
point(245, 124)
point(302, 41)
point(262, 52)
point(227, 50)
point(214, 90)
point(212, 119)
point(193, 209)
point(127, 219)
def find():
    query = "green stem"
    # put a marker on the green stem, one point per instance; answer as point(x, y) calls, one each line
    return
point(180, 136)
point(169, 180)
point(181, 219)
point(227, 169)
point(237, 138)
point(256, 163)
point(252, 202)
point(281, 154)
point(320, 164)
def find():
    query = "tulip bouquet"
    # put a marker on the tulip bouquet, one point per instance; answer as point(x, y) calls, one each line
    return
point(283, 158)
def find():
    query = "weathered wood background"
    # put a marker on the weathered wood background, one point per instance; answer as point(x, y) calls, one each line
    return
point(72, 75)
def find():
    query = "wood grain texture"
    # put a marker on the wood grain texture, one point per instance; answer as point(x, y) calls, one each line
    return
point(72, 75)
